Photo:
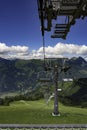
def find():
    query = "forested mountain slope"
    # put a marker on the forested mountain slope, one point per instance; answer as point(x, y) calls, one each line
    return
point(21, 75)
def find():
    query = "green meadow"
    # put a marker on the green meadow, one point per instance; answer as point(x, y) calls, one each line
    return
point(37, 112)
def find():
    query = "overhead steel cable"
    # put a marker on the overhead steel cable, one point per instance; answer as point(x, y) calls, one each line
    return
point(41, 15)
point(43, 47)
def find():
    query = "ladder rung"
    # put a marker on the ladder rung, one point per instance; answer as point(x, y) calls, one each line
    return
point(59, 31)
point(66, 12)
point(61, 25)
point(58, 36)
point(72, 3)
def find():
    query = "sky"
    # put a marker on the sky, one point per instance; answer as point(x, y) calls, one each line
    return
point(20, 34)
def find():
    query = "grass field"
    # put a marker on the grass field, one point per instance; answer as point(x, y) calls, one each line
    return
point(37, 112)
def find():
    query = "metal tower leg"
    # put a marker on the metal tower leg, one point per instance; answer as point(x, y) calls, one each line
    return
point(56, 109)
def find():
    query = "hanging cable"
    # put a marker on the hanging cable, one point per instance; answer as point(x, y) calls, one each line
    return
point(44, 47)
point(44, 52)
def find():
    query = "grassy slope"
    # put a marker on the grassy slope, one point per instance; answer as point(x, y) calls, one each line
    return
point(37, 112)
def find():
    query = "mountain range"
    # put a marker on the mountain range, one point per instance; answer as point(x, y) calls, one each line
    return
point(19, 75)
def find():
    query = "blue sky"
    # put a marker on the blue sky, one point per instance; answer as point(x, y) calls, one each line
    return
point(20, 35)
point(18, 22)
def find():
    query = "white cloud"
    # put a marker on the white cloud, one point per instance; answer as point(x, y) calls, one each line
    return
point(59, 50)
point(82, 50)
point(63, 49)
point(3, 48)
point(19, 49)
point(13, 51)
